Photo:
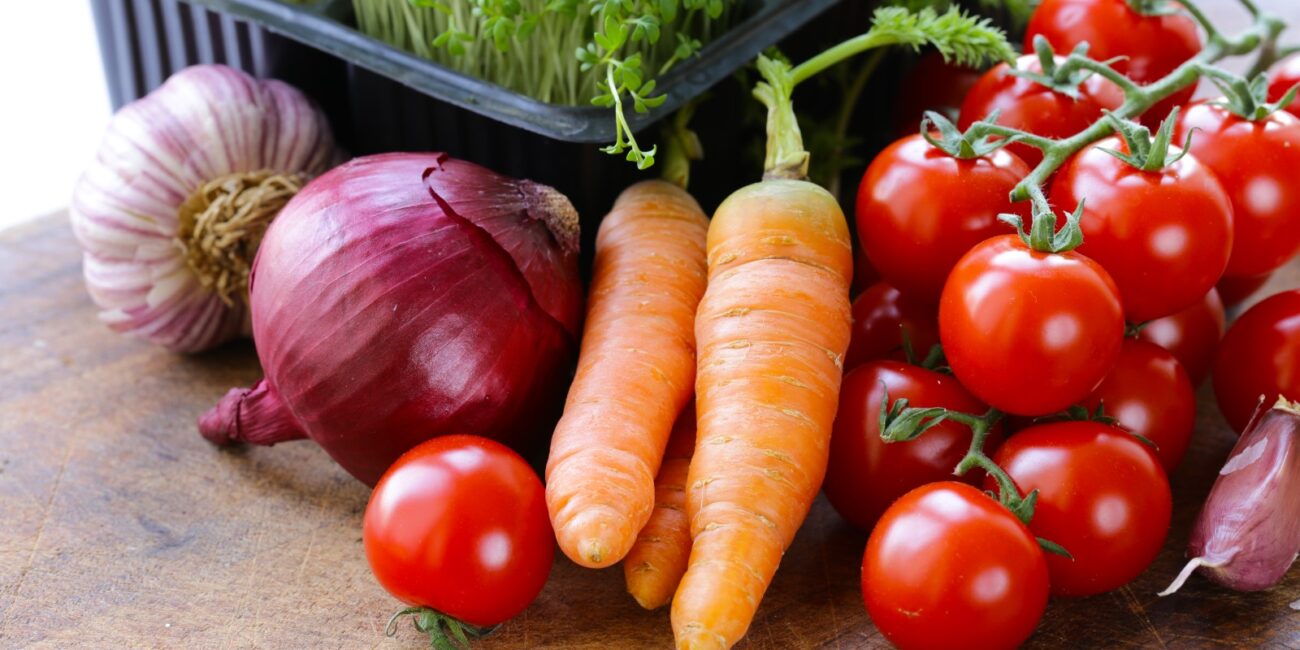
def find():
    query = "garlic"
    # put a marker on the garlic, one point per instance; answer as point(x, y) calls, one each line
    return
point(185, 182)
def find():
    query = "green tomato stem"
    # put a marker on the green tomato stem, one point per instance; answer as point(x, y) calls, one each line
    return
point(1138, 99)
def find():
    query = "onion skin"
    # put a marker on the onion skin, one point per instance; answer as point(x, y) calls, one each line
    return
point(1248, 532)
point(404, 296)
point(204, 122)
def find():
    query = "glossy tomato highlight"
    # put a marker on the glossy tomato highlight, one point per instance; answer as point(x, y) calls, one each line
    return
point(1259, 359)
point(1192, 335)
point(1150, 394)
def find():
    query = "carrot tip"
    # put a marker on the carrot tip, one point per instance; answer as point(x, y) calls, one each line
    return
point(593, 550)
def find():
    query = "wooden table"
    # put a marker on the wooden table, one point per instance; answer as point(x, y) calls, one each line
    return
point(123, 528)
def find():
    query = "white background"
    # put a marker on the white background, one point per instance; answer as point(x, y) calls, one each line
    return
point(53, 104)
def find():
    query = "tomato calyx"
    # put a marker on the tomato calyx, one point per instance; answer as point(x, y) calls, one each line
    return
point(1146, 152)
point(1154, 7)
point(1062, 77)
point(934, 360)
point(1247, 99)
point(445, 632)
point(963, 146)
point(1043, 235)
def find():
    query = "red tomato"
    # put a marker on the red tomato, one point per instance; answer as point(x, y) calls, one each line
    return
point(931, 85)
point(1259, 359)
point(1235, 290)
point(1164, 237)
point(1033, 107)
point(880, 315)
point(458, 524)
point(1257, 163)
point(1101, 494)
point(864, 275)
point(1152, 46)
point(1150, 394)
point(1283, 78)
point(866, 474)
point(919, 210)
point(1192, 335)
point(947, 566)
point(1029, 333)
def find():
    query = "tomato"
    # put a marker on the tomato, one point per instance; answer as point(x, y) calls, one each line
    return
point(1192, 335)
point(1033, 107)
point(919, 210)
point(1151, 46)
point(947, 566)
point(880, 314)
point(1150, 394)
point(1235, 290)
point(1256, 162)
point(866, 474)
point(1259, 359)
point(459, 524)
point(1283, 78)
point(1164, 236)
point(1029, 333)
point(1101, 494)
point(933, 84)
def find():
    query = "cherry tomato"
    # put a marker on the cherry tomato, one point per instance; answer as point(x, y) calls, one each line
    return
point(919, 210)
point(1164, 236)
point(880, 314)
point(1256, 162)
point(1151, 46)
point(1149, 393)
point(1192, 335)
point(1101, 494)
point(1029, 333)
point(1235, 290)
point(458, 524)
point(1283, 78)
point(949, 567)
point(1259, 359)
point(866, 474)
point(933, 84)
point(1033, 107)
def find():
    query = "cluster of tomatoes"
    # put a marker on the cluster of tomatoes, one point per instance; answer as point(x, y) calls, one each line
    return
point(1124, 326)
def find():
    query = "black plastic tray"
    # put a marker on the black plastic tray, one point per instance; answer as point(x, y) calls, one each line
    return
point(327, 26)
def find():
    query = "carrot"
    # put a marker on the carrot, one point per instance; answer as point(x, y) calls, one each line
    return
point(655, 565)
point(772, 331)
point(635, 372)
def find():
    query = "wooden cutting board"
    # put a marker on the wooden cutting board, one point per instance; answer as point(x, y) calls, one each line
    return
point(121, 527)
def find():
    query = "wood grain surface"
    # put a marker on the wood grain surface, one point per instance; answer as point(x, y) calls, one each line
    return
point(121, 528)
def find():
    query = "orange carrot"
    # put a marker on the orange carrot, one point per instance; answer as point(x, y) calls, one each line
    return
point(657, 560)
point(772, 331)
point(635, 372)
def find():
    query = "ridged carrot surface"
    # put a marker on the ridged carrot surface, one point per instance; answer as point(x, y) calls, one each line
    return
point(655, 565)
point(636, 370)
point(772, 331)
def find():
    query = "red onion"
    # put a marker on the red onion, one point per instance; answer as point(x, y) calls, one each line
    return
point(1248, 532)
point(404, 296)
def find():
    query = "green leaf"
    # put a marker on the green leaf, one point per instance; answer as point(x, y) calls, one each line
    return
point(1054, 548)
point(963, 38)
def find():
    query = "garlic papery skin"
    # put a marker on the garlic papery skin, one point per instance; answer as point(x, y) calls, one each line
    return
point(207, 122)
